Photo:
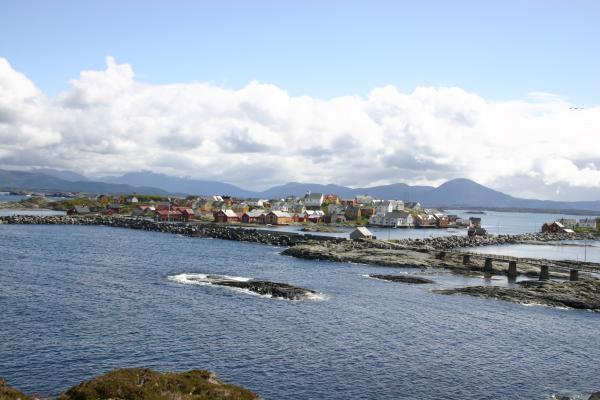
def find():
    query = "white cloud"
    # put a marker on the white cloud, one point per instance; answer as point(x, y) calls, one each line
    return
point(108, 122)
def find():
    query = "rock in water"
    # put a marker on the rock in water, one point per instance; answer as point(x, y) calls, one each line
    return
point(403, 278)
point(8, 393)
point(274, 289)
point(595, 396)
point(146, 384)
point(584, 294)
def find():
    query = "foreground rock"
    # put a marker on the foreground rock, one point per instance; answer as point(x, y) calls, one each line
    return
point(8, 393)
point(403, 278)
point(584, 295)
point(146, 384)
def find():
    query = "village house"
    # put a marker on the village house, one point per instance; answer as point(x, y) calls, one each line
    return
point(395, 219)
point(168, 216)
point(226, 216)
point(315, 216)
point(313, 200)
point(278, 218)
point(256, 203)
point(133, 200)
point(353, 213)
point(251, 217)
point(78, 210)
point(556, 227)
point(187, 214)
point(334, 218)
point(425, 221)
point(335, 209)
point(348, 202)
point(363, 200)
point(142, 210)
point(331, 199)
point(367, 211)
point(441, 220)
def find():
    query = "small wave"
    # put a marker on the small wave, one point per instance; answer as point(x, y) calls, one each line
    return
point(204, 279)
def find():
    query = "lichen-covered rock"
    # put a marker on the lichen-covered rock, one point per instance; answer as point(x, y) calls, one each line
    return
point(146, 384)
point(8, 393)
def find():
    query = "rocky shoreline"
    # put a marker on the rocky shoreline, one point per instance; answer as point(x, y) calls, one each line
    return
point(583, 295)
point(146, 384)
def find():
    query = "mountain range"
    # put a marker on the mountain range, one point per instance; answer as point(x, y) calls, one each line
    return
point(454, 193)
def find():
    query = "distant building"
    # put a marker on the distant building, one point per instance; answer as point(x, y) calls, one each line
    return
point(278, 218)
point(361, 233)
point(252, 217)
point(396, 219)
point(556, 227)
point(313, 200)
point(78, 210)
point(133, 200)
point(226, 216)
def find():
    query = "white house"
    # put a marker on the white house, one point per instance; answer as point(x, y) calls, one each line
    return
point(313, 199)
point(395, 219)
point(133, 200)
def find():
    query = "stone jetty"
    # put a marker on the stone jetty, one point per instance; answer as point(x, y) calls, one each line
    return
point(216, 231)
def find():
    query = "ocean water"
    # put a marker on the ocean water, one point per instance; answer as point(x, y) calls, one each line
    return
point(76, 301)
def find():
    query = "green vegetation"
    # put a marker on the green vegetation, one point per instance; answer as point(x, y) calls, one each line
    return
point(8, 393)
point(64, 205)
point(145, 384)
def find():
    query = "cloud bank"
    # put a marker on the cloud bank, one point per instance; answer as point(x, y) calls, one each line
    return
point(109, 122)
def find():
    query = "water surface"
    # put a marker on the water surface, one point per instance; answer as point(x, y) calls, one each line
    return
point(79, 300)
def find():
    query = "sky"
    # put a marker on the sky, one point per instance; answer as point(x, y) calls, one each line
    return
point(259, 93)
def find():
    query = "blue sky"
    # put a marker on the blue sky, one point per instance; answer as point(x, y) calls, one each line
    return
point(358, 93)
point(498, 49)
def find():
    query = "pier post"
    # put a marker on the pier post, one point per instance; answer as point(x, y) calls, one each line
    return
point(574, 275)
point(512, 270)
point(466, 259)
point(544, 273)
point(487, 269)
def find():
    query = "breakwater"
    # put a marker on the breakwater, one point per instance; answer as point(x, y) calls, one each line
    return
point(216, 231)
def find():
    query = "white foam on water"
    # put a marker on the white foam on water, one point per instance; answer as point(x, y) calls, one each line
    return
point(204, 279)
point(213, 279)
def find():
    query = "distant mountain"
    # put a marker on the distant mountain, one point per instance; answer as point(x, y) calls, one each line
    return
point(36, 181)
point(460, 193)
point(175, 184)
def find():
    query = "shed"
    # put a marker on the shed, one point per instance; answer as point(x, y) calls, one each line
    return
point(361, 233)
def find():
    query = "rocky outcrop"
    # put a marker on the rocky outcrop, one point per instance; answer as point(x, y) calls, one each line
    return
point(146, 384)
point(271, 289)
point(403, 278)
point(9, 393)
point(584, 294)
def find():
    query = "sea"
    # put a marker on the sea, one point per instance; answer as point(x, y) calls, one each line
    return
point(77, 301)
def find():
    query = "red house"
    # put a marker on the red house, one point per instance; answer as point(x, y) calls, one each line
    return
point(226, 216)
point(165, 215)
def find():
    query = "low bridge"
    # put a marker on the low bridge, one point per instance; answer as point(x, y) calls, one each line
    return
point(544, 264)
